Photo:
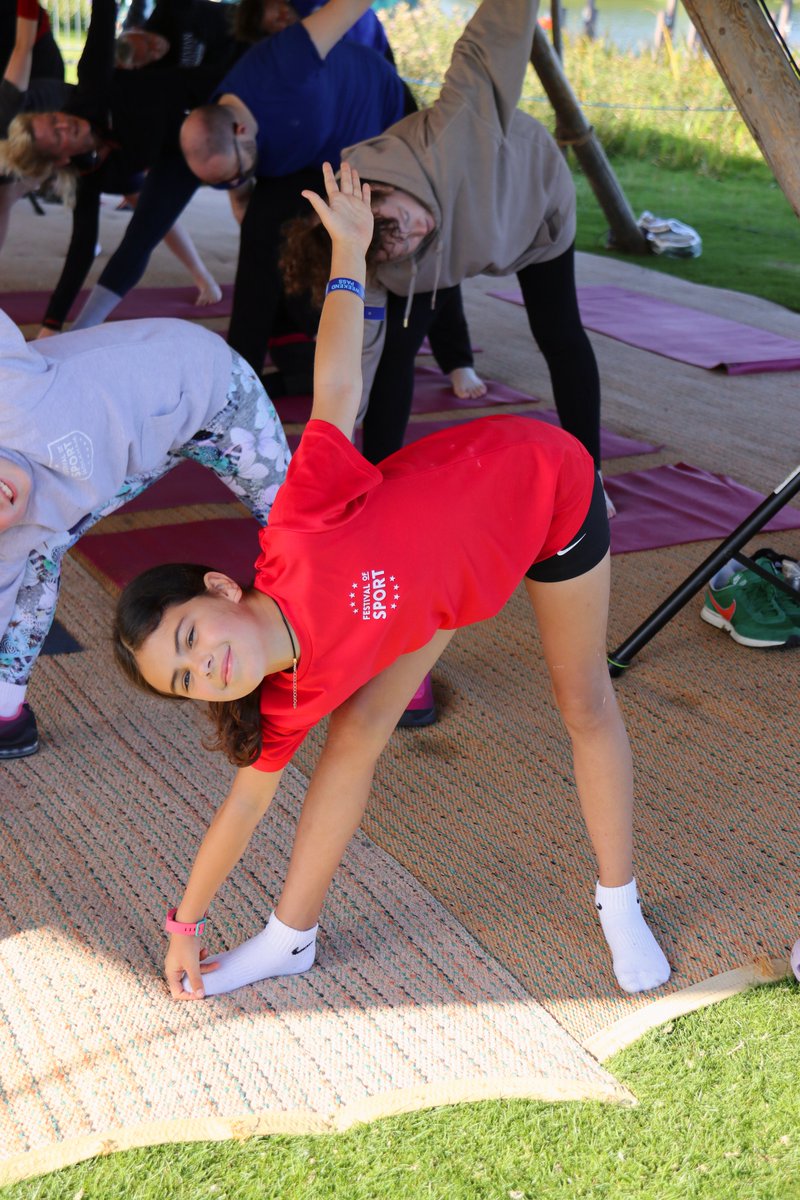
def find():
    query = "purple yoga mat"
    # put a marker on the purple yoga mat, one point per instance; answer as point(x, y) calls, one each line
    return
point(612, 445)
point(425, 348)
point(671, 505)
point(28, 308)
point(432, 393)
point(687, 335)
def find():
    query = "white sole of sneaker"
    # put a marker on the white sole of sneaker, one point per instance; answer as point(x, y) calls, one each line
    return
point(719, 622)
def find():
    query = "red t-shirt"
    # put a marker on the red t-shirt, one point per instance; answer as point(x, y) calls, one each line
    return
point(368, 562)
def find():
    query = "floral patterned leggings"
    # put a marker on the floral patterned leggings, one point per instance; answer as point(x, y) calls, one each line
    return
point(244, 444)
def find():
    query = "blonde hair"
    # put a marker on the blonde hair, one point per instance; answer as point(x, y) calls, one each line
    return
point(20, 155)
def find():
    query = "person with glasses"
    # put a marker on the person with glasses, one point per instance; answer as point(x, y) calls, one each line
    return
point(114, 126)
point(302, 74)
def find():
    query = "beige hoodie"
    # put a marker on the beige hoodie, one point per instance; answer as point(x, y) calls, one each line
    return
point(496, 182)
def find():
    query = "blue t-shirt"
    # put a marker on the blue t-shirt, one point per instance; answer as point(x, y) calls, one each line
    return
point(367, 30)
point(308, 108)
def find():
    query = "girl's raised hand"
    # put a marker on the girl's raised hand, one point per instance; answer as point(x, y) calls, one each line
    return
point(347, 215)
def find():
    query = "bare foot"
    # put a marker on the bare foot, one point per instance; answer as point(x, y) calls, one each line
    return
point(208, 292)
point(466, 384)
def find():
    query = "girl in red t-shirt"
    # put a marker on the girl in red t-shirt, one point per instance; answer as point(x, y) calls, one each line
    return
point(346, 618)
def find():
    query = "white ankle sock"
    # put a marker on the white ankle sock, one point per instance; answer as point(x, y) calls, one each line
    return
point(639, 963)
point(277, 950)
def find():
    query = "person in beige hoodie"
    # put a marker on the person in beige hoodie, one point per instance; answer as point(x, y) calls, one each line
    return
point(469, 186)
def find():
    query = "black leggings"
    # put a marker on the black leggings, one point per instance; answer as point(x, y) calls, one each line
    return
point(551, 302)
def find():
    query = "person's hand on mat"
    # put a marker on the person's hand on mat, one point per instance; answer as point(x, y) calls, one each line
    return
point(347, 216)
point(185, 957)
point(45, 332)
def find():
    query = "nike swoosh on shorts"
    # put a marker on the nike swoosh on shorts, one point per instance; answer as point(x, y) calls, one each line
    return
point(571, 546)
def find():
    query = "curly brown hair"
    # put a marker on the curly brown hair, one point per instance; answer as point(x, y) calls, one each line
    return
point(139, 612)
point(305, 255)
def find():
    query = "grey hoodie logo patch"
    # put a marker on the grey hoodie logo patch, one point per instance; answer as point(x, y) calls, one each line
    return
point(72, 454)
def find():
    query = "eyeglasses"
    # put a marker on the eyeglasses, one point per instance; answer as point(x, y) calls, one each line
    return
point(242, 174)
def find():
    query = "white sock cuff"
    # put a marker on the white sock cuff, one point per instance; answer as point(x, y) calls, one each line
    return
point(616, 899)
point(283, 937)
point(11, 696)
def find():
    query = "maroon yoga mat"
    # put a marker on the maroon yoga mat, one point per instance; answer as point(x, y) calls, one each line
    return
point(671, 505)
point(187, 483)
point(685, 334)
point(230, 545)
point(28, 308)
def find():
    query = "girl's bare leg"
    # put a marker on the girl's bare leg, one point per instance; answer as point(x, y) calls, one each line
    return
point(572, 618)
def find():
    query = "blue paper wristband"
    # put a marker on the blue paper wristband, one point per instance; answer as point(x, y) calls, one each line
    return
point(342, 284)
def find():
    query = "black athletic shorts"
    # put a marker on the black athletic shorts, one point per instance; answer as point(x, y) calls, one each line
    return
point(584, 551)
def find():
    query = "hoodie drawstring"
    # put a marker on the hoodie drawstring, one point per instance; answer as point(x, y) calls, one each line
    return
point(410, 297)
point(413, 281)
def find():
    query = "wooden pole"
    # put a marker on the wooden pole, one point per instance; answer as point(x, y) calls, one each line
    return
point(573, 129)
point(555, 26)
point(760, 78)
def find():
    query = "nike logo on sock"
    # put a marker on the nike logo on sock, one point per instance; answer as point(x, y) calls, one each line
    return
point(300, 949)
point(571, 546)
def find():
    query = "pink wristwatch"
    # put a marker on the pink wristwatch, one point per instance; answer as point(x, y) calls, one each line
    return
point(190, 928)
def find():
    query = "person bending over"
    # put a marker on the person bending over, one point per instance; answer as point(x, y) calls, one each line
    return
point(88, 421)
point(180, 33)
point(33, 78)
point(114, 126)
point(444, 215)
point(348, 612)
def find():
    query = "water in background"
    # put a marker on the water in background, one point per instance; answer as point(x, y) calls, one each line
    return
point(629, 24)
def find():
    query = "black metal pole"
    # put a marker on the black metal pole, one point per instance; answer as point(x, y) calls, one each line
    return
point(621, 657)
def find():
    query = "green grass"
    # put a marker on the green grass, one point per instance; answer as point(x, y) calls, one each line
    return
point(718, 1118)
point(751, 236)
point(675, 142)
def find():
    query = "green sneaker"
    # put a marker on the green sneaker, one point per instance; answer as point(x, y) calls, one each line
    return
point(771, 561)
point(749, 608)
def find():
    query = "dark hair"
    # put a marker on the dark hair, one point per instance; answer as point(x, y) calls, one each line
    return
point(247, 20)
point(140, 610)
point(305, 257)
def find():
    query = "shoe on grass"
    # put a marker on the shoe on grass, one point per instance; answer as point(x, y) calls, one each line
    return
point(749, 608)
point(20, 737)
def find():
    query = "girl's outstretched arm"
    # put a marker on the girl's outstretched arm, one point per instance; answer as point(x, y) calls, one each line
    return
point(347, 216)
point(223, 845)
